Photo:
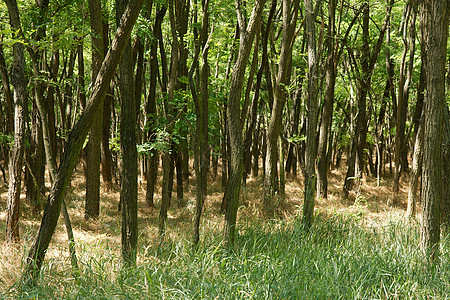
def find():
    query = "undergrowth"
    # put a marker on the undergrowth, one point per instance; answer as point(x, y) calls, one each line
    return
point(337, 258)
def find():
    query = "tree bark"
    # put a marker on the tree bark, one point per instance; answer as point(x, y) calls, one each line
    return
point(247, 34)
point(152, 169)
point(405, 77)
point(415, 173)
point(128, 140)
point(330, 80)
point(16, 157)
point(434, 21)
point(93, 154)
point(271, 182)
point(312, 105)
point(367, 65)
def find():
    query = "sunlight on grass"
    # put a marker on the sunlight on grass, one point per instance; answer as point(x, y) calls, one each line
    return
point(337, 258)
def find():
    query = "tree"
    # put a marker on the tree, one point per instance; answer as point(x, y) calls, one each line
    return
point(271, 186)
point(247, 32)
point(20, 100)
point(325, 124)
point(92, 207)
point(313, 89)
point(128, 140)
point(434, 22)
point(76, 140)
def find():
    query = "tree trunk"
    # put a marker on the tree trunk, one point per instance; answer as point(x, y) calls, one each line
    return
point(167, 161)
point(406, 69)
point(368, 61)
point(93, 154)
point(313, 89)
point(271, 182)
point(106, 156)
point(434, 22)
point(129, 174)
point(330, 75)
point(415, 173)
point(16, 157)
point(247, 34)
point(152, 169)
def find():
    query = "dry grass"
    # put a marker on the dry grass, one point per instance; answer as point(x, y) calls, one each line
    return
point(369, 204)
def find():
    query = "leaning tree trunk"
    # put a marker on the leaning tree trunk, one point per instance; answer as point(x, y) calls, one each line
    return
point(434, 20)
point(76, 140)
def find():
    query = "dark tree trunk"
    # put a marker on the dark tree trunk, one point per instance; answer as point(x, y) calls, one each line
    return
point(129, 174)
point(7, 93)
point(93, 153)
point(106, 156)
point(167, 159)
point(201, 111)
point(152, 169)
point(368, 61)
point(406, 68)
point(434, 22)
point(322, 159)
point(19, 83)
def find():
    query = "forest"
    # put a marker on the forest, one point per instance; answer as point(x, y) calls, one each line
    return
point(250, 149)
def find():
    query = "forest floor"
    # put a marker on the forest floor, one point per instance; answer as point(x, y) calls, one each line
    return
point(369, 205)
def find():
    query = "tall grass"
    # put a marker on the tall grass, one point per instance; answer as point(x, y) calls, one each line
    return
point(337, 259)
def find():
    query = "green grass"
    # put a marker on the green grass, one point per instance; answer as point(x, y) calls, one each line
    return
point(337, 259)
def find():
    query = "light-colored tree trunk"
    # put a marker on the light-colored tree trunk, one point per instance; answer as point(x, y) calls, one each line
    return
point(312, 106)
point(271, 182)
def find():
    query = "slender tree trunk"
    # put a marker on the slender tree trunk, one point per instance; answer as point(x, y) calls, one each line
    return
point(403, 94)
point(152, 169)
point(312, 106)
point(201, 111)
point(167, 162)
point(106, 156)
point(7, 93)
point(415, 173)
point(16, 157)
point(271, 182)
point(322, 159)
point(93, 153)
point(368, 61)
